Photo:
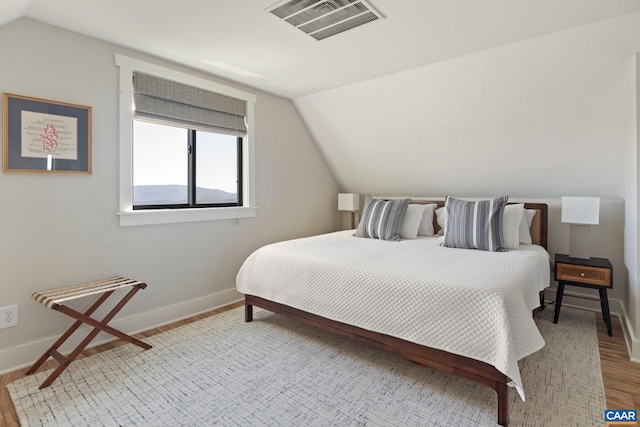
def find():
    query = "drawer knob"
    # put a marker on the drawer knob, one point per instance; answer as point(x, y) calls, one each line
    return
point(582, 274)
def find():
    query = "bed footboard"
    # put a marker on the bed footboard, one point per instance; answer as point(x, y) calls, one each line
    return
point(461, 366)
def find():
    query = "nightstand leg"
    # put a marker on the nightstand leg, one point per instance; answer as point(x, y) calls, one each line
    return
point(604, 303)
point(559, 293)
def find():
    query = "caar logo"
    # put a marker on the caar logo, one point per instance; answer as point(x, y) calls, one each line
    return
point(620, 417)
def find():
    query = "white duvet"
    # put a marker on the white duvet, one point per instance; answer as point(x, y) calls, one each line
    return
point(472, 303)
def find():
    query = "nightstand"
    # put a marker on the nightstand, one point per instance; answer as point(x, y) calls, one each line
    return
point(594, 273)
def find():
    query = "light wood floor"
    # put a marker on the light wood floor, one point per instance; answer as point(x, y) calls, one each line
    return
point(621, 377)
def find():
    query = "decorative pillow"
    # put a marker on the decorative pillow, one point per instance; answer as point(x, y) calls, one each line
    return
point(411, 222)
point(475, 225)
point(511, 225)
point(525, 226)
point(426, 225)
point(381, 219)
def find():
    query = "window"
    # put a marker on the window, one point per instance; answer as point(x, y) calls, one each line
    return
point(186, 147)
point(185, 168)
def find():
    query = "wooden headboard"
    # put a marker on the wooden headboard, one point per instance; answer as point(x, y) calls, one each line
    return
point(539, 226)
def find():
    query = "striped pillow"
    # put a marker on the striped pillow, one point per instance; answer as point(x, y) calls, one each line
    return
point(475, 225)
point(381, 219)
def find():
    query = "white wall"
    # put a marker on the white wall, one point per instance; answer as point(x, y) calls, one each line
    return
point(549, 117)
point(58, 230)
point(631, 244)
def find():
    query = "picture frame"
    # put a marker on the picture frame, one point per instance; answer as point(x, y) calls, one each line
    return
point(44, 136)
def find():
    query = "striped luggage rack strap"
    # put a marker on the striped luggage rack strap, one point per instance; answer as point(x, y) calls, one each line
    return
point(54, 297)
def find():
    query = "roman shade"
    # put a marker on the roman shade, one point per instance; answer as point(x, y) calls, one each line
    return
point(175, 104)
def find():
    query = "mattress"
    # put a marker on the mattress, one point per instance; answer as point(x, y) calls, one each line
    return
point(472, 303)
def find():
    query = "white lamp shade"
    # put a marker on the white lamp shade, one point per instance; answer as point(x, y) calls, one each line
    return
point(581, 210)
point(348, 202)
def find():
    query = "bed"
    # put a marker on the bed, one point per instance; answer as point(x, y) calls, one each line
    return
point(451, 313)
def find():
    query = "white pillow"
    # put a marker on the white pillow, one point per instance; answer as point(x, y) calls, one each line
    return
point(441, 214)
point(426, 225)
point(511, 222)
point(525, 226)
point(411, 221)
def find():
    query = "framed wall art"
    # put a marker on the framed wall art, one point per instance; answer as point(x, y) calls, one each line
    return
point(43, 136)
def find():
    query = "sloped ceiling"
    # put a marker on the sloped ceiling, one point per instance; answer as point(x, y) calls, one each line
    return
point(238, 40)
point(547, 117)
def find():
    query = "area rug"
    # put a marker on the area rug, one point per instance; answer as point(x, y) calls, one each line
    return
point(277, 372)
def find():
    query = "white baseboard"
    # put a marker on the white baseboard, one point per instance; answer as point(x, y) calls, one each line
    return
point(633, 343)
point(25, 355)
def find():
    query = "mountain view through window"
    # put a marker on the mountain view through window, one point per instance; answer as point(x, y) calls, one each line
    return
point(161, 166)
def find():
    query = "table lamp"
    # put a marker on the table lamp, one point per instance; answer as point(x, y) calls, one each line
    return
point(580, 213)
point(349, 202)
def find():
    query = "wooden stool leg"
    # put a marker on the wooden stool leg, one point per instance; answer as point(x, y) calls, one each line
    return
point(54, 348)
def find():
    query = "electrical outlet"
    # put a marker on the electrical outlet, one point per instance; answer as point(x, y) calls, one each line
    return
point(8, 316)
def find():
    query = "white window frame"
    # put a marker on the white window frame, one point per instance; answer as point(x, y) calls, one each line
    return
point(127, 215)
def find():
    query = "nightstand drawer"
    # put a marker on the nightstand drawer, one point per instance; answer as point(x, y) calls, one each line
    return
point(583, 274)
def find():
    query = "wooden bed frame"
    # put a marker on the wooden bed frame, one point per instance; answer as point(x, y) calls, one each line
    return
point(461, 366)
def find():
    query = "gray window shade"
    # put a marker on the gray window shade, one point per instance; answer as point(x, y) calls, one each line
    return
point(176, 104)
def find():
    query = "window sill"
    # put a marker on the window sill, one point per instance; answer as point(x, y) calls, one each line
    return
point(168, 216)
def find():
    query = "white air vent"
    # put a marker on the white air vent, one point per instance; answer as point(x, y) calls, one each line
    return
point(324, 18)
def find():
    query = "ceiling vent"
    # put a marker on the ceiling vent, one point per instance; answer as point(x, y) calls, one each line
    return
point(324, 18)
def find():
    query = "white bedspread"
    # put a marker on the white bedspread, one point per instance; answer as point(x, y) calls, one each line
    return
point(468, 302)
